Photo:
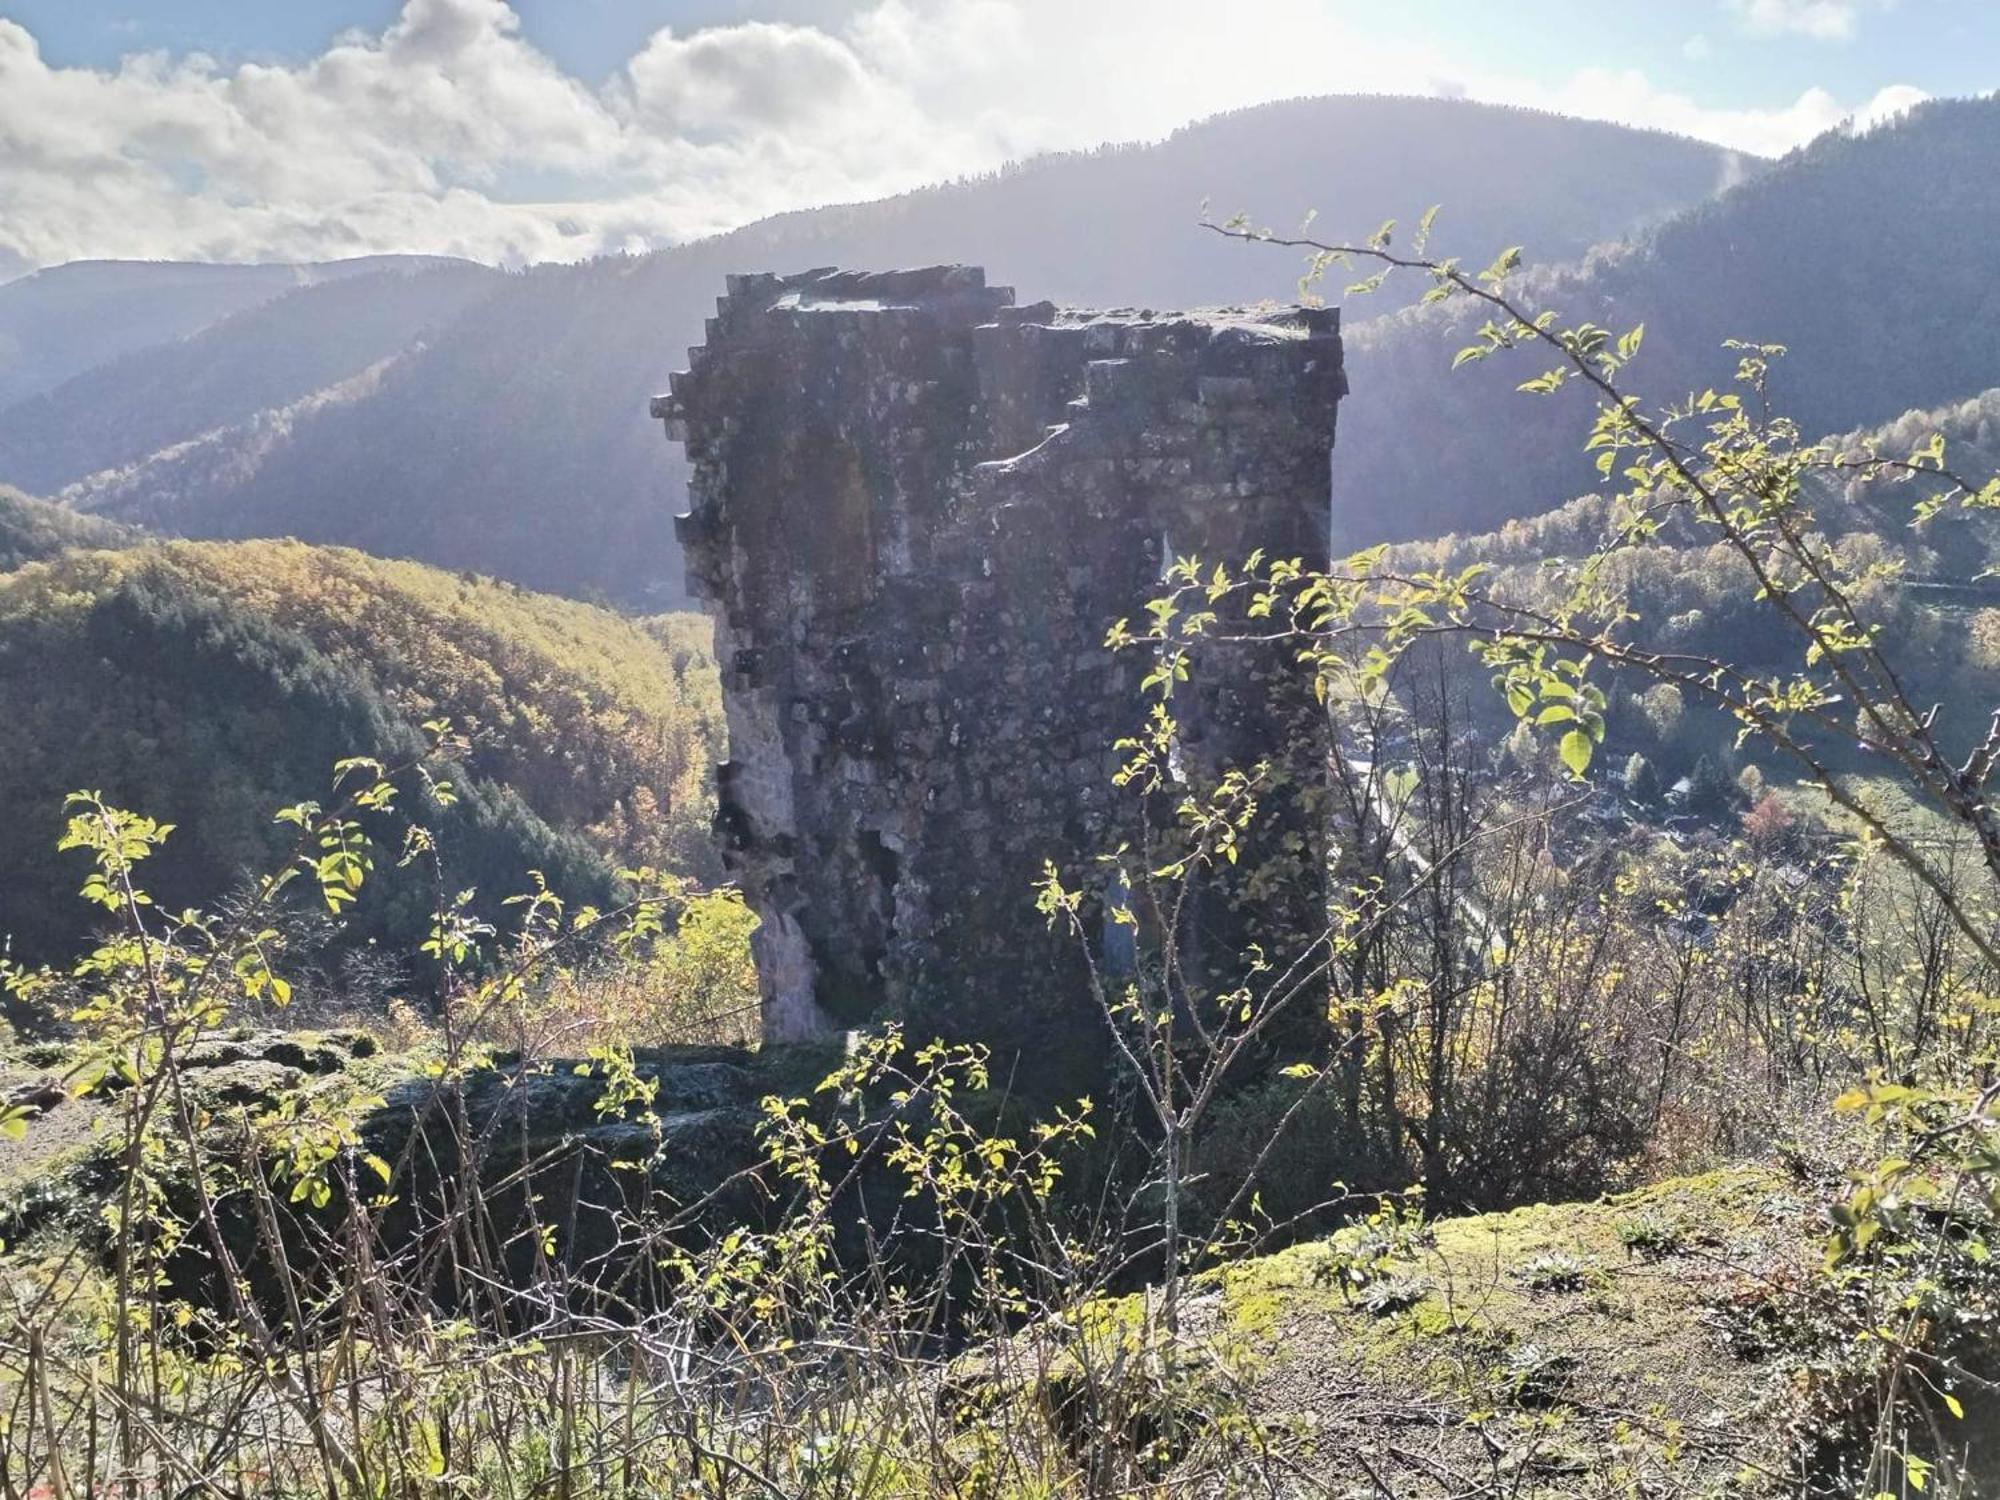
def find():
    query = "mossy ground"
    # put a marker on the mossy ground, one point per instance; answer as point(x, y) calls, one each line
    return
point(1576, 1349)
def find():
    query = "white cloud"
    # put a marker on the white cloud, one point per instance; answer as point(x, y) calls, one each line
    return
point(1626, 96)
point(1888, 104)
point(748, 79)
point(449, 132)
point(1822, 20)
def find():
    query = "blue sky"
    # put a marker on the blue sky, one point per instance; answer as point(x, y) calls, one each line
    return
point(588, 37)
point(544, 129)
point(1940, 46)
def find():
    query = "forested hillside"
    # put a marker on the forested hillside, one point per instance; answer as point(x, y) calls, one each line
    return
point(1836, 252)
point(515, 442)
point(31, 530)
point(1936, 599)
point(58, 323)
point(267, 357)
point(209, 683)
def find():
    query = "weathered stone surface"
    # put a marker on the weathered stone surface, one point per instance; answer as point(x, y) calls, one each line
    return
point(915, 510)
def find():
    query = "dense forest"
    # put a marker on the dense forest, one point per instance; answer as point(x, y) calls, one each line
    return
point(1816, 254)
point(212, 683)
point(31, 530)
point(1935, 597)
point(128, 410)
point(66, 320)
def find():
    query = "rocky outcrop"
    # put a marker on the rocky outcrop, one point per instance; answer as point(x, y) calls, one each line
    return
point(915, 509)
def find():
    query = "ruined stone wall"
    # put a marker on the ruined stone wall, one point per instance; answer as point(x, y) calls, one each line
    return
point(915, 510)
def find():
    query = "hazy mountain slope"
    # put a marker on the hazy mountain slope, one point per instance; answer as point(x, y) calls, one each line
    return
point(155, 491)
point(516, 441)
point(1119, 226)
point(57, 323)
point(209, 683)
point(270, 356)
point(1954, 548)
point(1870, 257)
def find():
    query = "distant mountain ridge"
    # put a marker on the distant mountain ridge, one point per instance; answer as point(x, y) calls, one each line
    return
point(514, 441)
point(266, 357)
point(1868, 255)
point(59, 322)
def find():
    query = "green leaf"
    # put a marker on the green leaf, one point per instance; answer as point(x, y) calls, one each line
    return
point(1424, 227)
point(1576, 750)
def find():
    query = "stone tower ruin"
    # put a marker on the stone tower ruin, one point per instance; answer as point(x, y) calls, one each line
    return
point(915, 509)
